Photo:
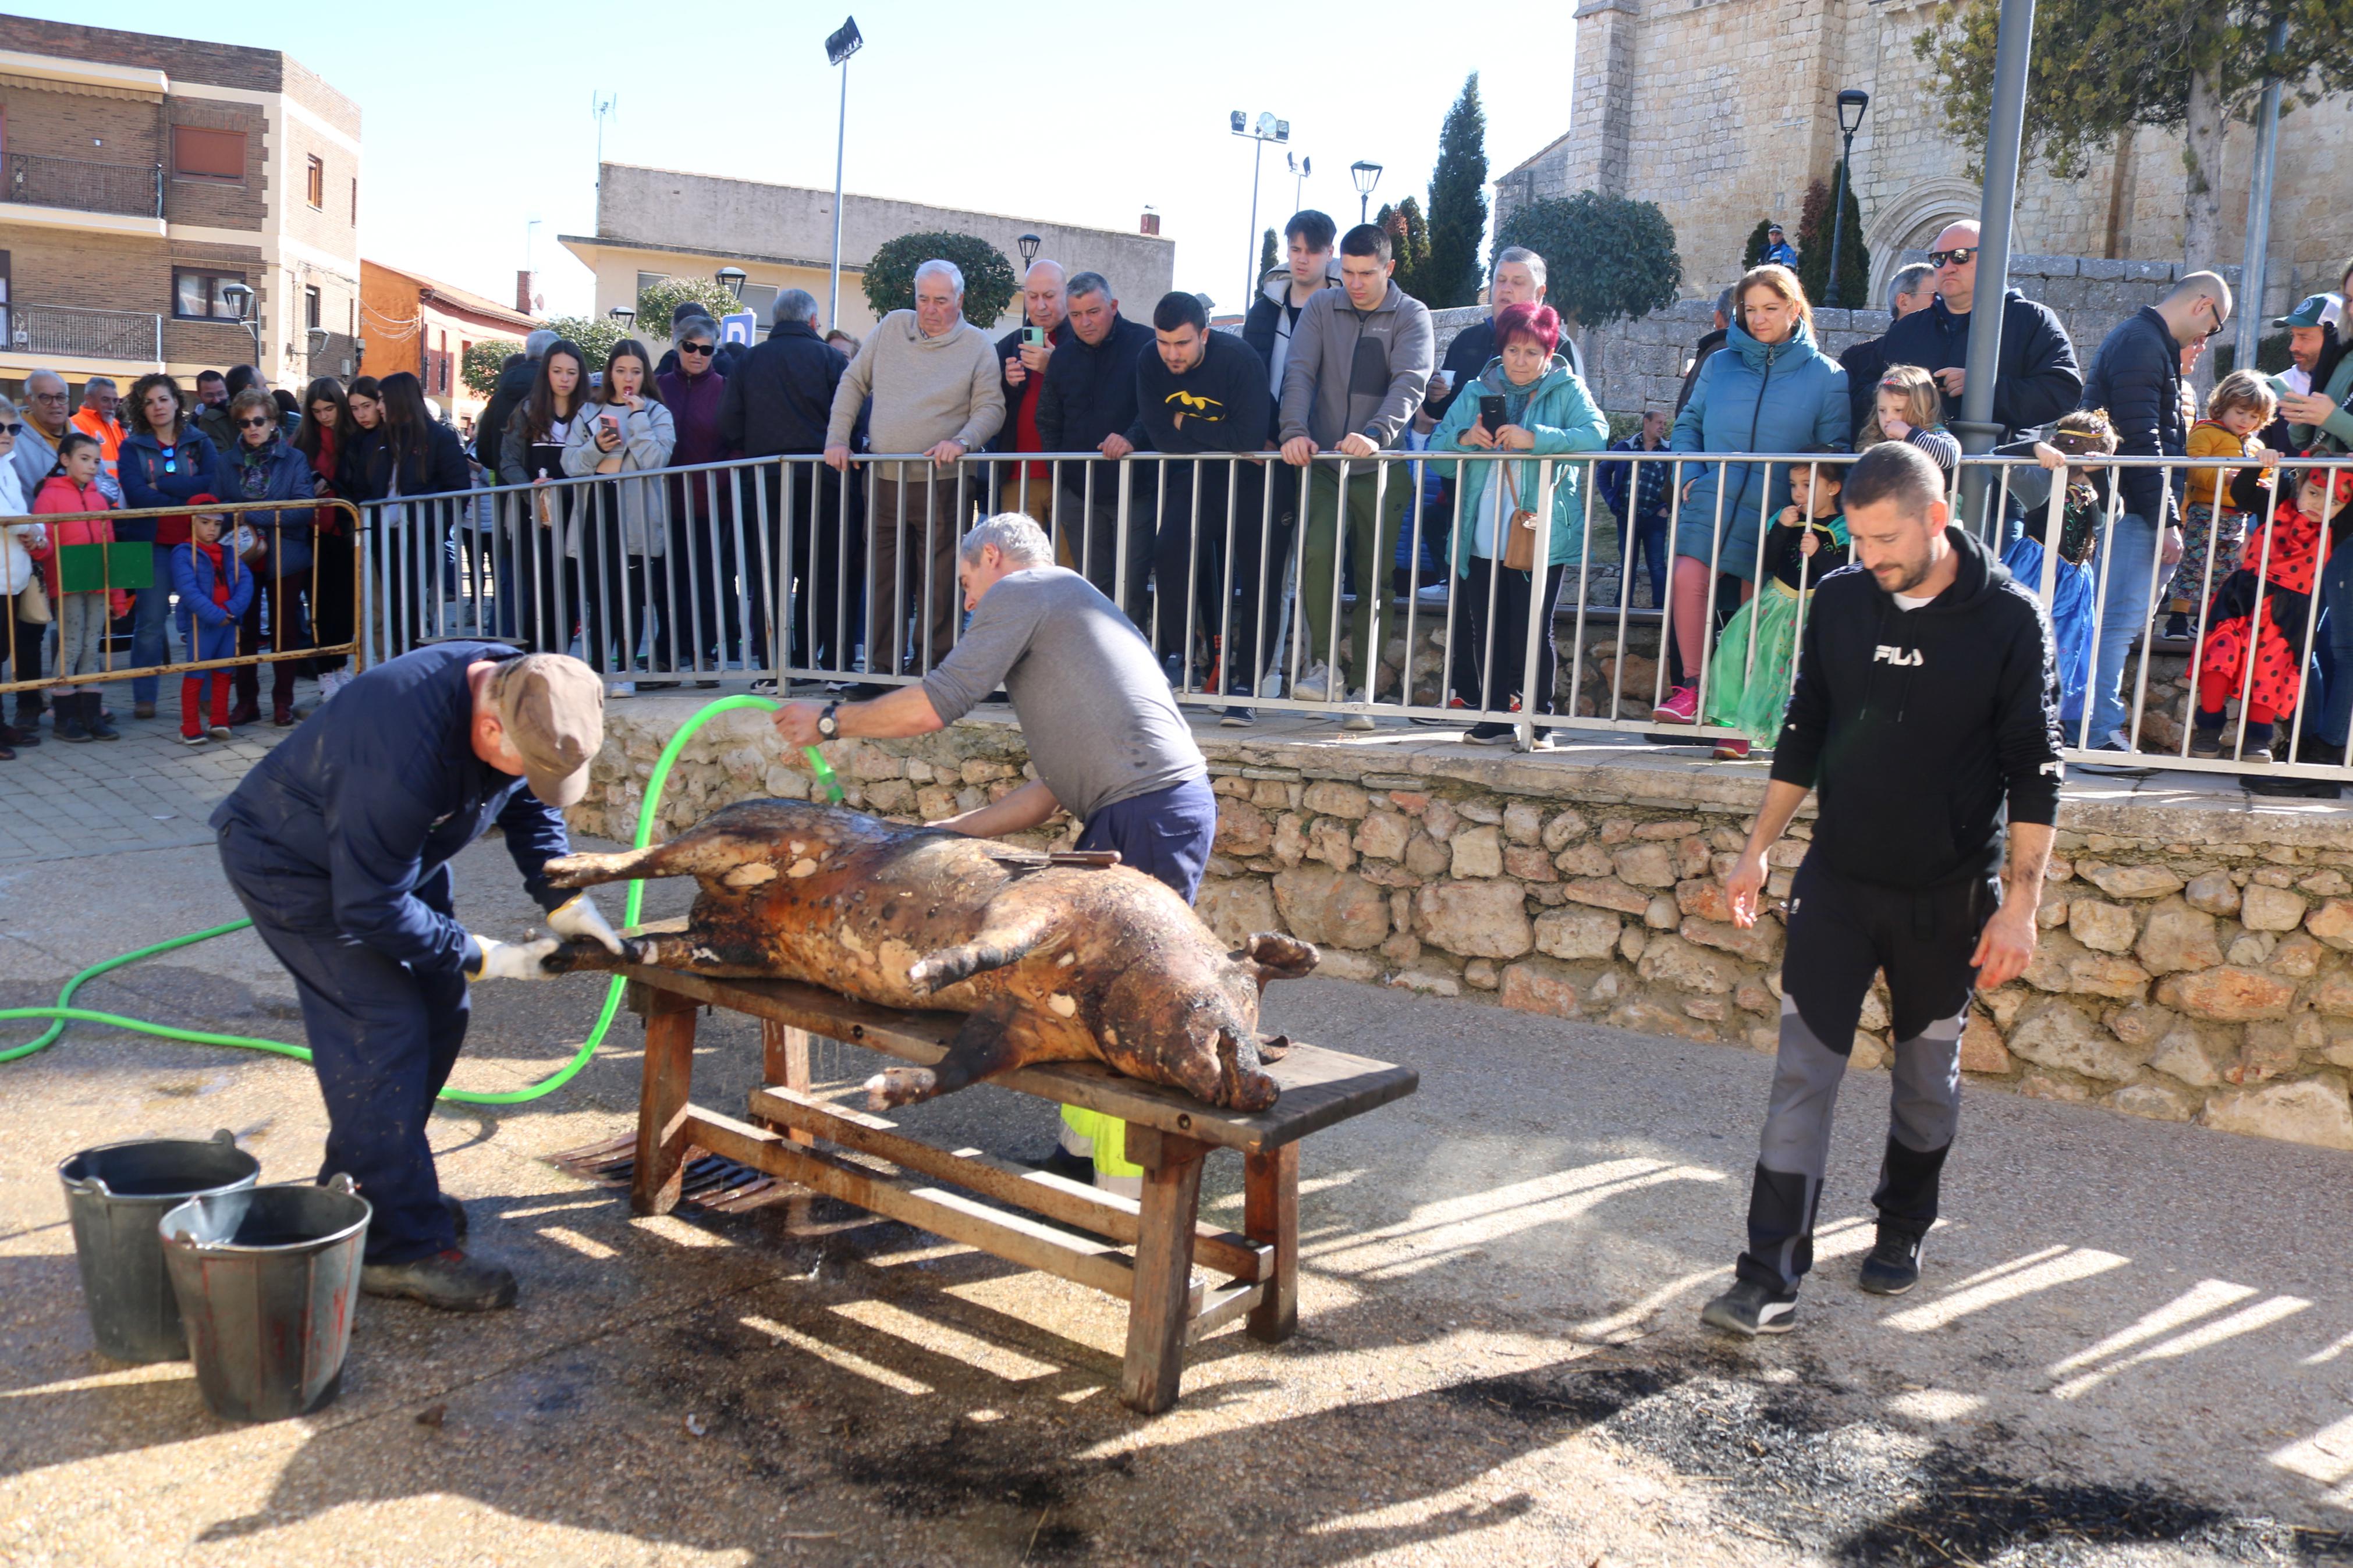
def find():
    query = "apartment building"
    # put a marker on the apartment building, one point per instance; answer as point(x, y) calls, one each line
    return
point(173, 205)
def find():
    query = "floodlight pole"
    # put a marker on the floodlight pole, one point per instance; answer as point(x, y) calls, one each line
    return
point(841, 133)
point(2251, 282)
point(1975, 428)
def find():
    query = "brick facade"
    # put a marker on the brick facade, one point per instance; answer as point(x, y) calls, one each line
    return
point(104, 263)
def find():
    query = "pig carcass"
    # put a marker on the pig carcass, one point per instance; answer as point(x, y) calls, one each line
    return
point(1050, 961)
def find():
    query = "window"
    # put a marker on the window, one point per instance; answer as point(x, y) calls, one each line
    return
point(648, 279)
point(200, 154)
point(310, 308)
point(356, 201)
point(197, 294)
point(315, 186)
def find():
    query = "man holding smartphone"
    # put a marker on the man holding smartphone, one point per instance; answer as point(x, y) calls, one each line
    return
point(1025, 353)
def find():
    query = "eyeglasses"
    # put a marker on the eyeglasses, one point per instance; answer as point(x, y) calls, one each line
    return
point(2221, 318)
point(1960, 256)
point(48, 397)
point(255, 424)
point(694, 348)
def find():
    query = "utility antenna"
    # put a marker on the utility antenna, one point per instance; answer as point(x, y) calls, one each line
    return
point(604, 106)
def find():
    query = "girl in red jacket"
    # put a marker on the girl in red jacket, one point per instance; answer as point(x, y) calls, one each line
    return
point(82, 619)
point(2280, 559)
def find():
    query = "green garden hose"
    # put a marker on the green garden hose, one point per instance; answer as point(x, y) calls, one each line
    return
point(64, 1013)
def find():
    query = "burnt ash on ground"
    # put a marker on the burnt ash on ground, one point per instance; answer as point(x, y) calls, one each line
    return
point(1805, 1461)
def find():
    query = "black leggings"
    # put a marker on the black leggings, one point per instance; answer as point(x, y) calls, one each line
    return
point(1842, 933)
point(1499, 634)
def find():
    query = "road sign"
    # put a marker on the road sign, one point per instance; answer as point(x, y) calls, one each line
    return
point(737, 326)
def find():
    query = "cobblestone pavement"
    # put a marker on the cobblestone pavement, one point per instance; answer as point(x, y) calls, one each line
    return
point(146, 790)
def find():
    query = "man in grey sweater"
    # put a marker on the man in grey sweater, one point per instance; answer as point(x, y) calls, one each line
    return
point(1360, 361)
point(1102, 727)
point(934, 384)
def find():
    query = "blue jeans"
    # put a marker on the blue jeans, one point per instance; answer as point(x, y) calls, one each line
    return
point(150, 616)
point(2127, 602)
point(2334, 714)
point(1644, 545)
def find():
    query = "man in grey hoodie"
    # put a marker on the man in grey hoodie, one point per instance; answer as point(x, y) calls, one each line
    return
point(1359, 363)
point(937, 391)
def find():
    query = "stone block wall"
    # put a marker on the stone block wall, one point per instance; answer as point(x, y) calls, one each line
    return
point(2197, 961)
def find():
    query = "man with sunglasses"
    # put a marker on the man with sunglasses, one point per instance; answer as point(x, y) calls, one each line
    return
point(2036, 378)
point(701, 620)
point(2136, 377)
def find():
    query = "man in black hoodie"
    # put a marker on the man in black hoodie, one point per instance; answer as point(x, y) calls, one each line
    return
point(1201, 391)
point(1926, 701)
point(1089, 405)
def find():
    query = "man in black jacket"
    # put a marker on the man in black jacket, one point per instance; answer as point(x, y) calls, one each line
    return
point(1927, 708)
point(1089, 405)
point(2036, 379)
point(776, 405)
point(1309, 237)
point(1201, 391)
point(1709, 341)
point(1043, 311)
point(514, 386)
point(2136, 377)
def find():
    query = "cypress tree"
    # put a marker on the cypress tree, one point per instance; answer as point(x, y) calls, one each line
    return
point(1270, 255)
point(1458, 205)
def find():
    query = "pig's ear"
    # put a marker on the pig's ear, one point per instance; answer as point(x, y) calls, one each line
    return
point(1274, 1048)
point(1275, 956)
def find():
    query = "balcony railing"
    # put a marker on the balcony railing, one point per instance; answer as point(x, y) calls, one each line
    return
point(69, 331)
point(135, 190)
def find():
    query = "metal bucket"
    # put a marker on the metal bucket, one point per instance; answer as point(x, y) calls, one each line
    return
point(266, 1278)
point(114, 1195)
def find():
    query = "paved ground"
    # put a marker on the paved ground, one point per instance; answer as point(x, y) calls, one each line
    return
point(2134, 1343)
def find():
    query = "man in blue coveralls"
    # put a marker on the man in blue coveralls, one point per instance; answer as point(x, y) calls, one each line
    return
point(338, 845)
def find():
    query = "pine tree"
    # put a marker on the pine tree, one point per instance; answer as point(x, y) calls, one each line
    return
point(1814, 228)
point(1408, 244)
point(1754, 255)
point(1270, 255)
point(1458, 205)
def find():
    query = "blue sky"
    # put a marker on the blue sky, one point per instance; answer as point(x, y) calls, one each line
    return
point(477, 116)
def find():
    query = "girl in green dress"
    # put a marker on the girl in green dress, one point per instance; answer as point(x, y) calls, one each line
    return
point(1747, 691)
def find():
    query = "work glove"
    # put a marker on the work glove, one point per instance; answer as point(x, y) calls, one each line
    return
point(582, 921)
point(511, 960)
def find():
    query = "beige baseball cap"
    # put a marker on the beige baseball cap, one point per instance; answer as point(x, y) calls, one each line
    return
point(552, 707)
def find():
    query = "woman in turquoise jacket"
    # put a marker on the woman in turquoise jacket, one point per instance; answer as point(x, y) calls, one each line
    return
point(1768, 389)
point(1547, 413)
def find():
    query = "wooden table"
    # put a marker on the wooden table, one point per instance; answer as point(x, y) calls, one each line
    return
point(1143, 1252)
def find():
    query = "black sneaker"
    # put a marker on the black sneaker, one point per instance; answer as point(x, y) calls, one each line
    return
point(450, 1280)
point(1751, 1309)
point(1489, 734)
point(456, 1212)
point(1893, 1266)
point(1237, 717)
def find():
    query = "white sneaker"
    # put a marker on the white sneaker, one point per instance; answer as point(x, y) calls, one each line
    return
point(621, 688)
point(1315, 685)
point(1356, 721)
point(1431, 593)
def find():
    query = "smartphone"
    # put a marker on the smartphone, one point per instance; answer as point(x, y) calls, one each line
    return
point(1034, 336)
point(1491, 412)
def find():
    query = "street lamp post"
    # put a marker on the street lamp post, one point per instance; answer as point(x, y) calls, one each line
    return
point(239, 298)
point(2251, 282)
point(1366, 174)
point(1851, 105)
point(840, 45)
point(1266, 129)
point(1028, 246)
point(625, 314)
point(2004, 130)
point(732, 279)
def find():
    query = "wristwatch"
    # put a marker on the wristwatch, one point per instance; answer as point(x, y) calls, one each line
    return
point(827, 725)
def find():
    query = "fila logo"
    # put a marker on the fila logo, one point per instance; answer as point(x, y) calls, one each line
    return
point(1900, 656)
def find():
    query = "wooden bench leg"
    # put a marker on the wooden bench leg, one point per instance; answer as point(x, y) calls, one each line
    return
point(785, 1055)
point(1270, 1216)
point(662, 1095)
point(1157, 1315)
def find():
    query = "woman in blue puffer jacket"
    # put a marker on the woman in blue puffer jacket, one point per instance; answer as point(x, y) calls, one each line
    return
point(1768, 389)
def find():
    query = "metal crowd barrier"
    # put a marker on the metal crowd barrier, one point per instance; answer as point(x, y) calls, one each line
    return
point(276, 637)
point(783, 568)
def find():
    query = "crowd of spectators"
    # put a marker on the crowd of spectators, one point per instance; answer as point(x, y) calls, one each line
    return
point(625, 528)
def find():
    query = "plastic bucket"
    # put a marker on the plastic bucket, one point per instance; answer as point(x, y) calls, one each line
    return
point(114, 1196)
point(266, 1278)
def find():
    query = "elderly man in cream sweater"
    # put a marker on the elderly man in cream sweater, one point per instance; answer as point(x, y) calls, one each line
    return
point(934, 381)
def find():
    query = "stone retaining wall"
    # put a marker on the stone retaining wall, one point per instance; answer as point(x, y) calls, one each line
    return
point(2194, 963)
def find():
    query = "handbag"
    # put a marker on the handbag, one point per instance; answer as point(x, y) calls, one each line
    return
point(33, 603)
point(1520, 535)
